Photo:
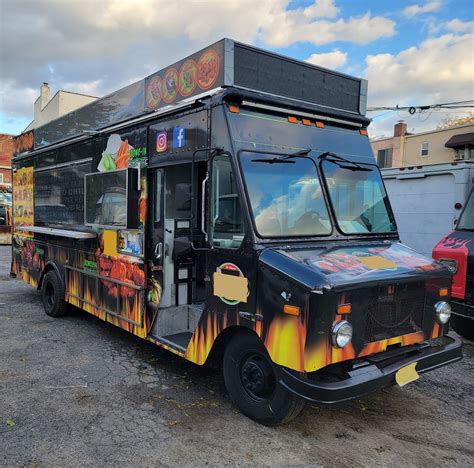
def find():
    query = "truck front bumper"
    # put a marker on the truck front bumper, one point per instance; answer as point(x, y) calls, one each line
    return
point(374, 372)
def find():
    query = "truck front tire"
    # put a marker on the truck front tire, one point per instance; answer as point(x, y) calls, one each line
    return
point(251, 379)
point(53, 295)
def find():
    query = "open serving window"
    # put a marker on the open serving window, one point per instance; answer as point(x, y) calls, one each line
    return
point(111, 199)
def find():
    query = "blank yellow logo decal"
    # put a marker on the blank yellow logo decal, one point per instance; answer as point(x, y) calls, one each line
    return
point(376, 262)
point(231, 288)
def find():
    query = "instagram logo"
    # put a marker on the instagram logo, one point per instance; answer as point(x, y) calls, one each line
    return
point(161, 142)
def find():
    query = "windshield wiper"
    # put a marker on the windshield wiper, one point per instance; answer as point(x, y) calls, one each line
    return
point(335, 159)
point(284, 159)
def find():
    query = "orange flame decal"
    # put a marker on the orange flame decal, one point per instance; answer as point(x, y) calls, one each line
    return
point(404, 340)
point(203, 338)
point(91, 301)
point(212, 323)
point(285, 341)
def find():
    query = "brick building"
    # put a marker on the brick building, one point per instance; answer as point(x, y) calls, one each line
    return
point(6, 153)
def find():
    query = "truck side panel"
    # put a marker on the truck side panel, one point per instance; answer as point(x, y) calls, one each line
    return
point(102, 274)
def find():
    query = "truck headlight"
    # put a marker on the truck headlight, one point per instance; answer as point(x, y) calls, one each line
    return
point(341, 333)
point(443, 312)
point(451, 265)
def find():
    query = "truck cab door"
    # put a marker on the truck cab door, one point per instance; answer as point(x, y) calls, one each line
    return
point(231, 262)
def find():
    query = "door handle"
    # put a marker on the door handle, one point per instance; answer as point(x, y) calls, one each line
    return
point(158, 250)
point(203, 208)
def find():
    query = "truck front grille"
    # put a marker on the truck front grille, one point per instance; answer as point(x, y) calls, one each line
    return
point(396, 310)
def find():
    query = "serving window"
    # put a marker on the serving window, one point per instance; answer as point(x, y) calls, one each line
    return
point(59, 195)
point(111, 199)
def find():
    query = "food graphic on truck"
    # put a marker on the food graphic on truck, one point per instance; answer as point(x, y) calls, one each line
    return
point(251, 223)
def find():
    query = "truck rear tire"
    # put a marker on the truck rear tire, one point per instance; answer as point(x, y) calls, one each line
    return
point(463, 326)
point(251, 379)
point(53, 295)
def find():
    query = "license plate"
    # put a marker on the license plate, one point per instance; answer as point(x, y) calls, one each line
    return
point(407, 374)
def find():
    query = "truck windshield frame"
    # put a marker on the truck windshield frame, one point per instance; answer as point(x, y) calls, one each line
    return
point(466, 219)
point(375, 208)
point(279, 213)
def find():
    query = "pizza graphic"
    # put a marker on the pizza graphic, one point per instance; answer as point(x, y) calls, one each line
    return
point(208, 69)
point(187, 80)
point(169, 85)
point(153, 92)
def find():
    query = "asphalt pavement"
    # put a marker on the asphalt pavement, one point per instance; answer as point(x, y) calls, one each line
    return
point(76, 391)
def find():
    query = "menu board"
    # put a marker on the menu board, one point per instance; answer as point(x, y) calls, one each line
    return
point(23, 208)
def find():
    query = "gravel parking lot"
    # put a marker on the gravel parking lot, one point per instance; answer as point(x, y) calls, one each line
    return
point(77, 391)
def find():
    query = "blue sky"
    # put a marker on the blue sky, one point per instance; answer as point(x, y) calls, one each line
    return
point(412, 52)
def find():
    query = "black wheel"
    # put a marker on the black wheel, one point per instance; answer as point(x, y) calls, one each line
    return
point(251, 379)
point(53, 295)
point(463, 326)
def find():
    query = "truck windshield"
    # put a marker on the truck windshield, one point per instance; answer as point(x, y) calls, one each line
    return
point(285, 196)
point(466, 221)
point(359, 198)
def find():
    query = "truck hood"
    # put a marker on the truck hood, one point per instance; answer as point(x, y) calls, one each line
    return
point(336, 266)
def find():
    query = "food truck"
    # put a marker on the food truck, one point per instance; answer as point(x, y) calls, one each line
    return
point(455, 250)
point(229, 206)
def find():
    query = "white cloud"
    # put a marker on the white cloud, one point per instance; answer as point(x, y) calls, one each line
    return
point(57, 30)
point(440, 70)
point(428, 7)
point(18, 101)
point(90, 88)
point(290, 27)
point(457, 25)
point(331, 60)
point(99, 46)
point(321, 9)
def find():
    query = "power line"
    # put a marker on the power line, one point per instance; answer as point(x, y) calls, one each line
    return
point(436, 107)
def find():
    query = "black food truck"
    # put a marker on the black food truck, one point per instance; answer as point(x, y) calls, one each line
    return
point(230, 204)
point(456, 251)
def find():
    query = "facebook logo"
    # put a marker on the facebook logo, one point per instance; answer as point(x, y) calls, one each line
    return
point(178, 137)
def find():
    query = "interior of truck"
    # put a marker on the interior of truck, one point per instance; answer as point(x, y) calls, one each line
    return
point(177, 220)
